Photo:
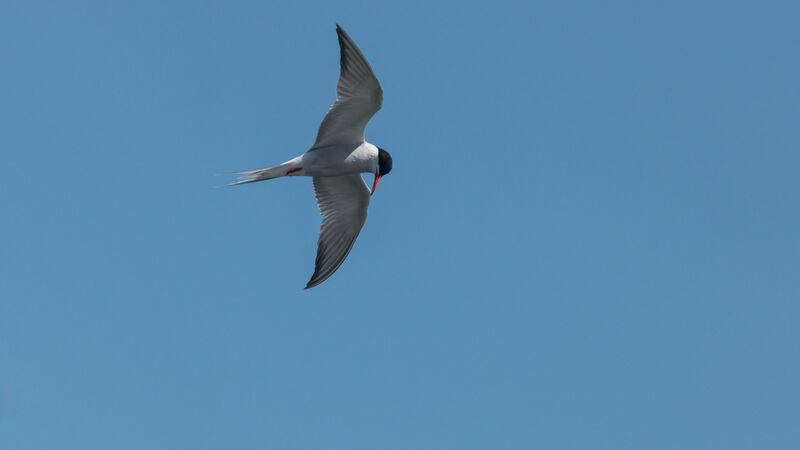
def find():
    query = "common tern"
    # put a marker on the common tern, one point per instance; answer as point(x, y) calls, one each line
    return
point(336, 160)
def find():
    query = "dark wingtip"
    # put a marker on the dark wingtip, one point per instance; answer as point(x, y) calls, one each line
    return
point(312, 282)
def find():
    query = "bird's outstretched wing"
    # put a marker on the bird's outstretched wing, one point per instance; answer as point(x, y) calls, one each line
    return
point(343, 203)
point(358, 97)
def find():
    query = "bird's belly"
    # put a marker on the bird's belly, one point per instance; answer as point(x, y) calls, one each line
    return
point(342, 160)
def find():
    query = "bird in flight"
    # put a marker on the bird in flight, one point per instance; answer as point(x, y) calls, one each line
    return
point(336, 160)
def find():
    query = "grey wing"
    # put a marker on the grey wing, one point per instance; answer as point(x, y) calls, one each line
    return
point(358, 97)
point(343, 203)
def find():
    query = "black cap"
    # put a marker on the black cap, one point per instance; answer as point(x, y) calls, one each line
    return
point(384, 162)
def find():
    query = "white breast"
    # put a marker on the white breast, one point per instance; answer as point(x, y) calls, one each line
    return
point(340, 159)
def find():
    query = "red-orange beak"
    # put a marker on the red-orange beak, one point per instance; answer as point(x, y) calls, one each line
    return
point(375, 183)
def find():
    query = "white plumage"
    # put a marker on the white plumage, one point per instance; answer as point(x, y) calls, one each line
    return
point(336, 160)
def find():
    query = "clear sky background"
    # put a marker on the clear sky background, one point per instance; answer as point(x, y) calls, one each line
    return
point(590, 238)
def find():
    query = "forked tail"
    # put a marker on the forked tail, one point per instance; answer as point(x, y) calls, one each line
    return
point(267, 173)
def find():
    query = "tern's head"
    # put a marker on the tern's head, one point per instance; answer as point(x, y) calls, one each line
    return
point(384, 167)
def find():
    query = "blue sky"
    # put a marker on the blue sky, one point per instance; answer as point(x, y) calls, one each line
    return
point(590, 238)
